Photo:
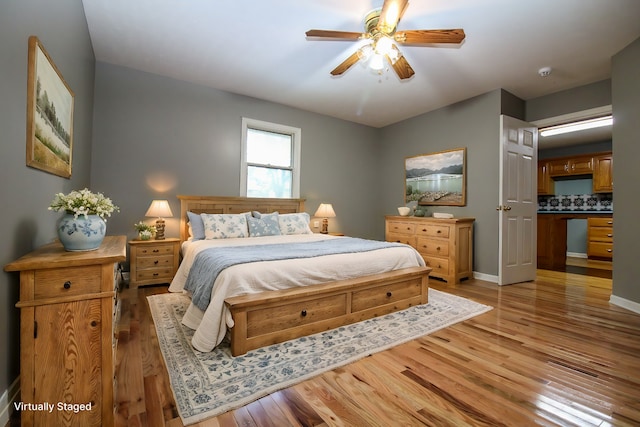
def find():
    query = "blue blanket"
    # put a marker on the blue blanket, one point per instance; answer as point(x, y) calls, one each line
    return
point(208, 264)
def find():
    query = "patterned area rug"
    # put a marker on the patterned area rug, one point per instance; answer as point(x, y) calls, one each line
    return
point(208, 384)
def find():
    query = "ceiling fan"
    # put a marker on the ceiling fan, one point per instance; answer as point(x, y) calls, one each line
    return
point(380, 28)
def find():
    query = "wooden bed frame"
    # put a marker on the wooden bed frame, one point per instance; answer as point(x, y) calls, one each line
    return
point(271, 317)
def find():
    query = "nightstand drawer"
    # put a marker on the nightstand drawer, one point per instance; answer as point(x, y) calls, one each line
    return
point(159, 275)
point(163, 261)
point(57, 282)
point(153, 250)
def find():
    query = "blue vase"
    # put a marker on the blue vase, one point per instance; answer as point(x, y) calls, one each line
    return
point(81, 234)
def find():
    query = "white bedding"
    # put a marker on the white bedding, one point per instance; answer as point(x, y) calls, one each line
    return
point(211, 325)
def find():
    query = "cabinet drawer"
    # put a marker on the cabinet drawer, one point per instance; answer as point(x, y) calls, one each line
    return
point(600, 249)
point(433, 230)
point(401, 238)
point(150, 250)
point(601, 234)
point(380, 295)
point(163, 261)
point(287, 316)
point(439, 265)
point(397, 227)
point(600, 222)
point(433, 247)
point(57, 282)
point(159, 274)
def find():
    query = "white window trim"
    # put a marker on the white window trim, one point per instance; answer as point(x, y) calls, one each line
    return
point(296, 134)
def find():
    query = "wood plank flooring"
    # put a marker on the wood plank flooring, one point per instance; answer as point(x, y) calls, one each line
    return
point(551, 352)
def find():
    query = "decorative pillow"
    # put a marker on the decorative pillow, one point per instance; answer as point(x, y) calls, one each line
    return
point(264, 225)
point(196, 226)
point(224, 226)
point(294, 223)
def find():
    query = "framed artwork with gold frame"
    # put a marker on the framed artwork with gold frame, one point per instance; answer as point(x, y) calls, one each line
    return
point(49, 114)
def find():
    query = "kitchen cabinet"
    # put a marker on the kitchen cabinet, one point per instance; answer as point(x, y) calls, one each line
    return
point(566, 166)
point(600, 237)
point(603, 173)
point(545, 183)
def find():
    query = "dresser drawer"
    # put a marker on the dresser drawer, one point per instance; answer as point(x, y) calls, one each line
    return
point(600, 222)
point(160, 275)
point(375, 297)
point(432, 247)
point(401, 238)
point(600, 249)
point(397, 227)
point(433, 230)
point(162, 261)
point(287, 316)
point(57, 282)
point(601, 234)
point(439, 265)
point(154, 250)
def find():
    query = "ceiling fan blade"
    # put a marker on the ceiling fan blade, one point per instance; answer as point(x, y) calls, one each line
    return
point(346, 64)
point(330, 34)
point(430, 36)
point(402, 67)
point(392, 11)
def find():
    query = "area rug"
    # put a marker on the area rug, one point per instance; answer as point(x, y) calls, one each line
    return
point(208, 384)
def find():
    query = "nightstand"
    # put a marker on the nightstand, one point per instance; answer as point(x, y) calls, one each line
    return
point(153, 261)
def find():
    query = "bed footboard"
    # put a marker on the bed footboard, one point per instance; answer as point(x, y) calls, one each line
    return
point(271, 317)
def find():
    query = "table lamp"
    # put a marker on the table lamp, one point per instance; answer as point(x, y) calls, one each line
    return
point(159, 209)
point(325, 210)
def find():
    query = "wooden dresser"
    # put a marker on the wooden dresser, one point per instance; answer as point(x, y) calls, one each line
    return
point(68, 314)
point(153, 261)
point(600, 237)
point(445, 244)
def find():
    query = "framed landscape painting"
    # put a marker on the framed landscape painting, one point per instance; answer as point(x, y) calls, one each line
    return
point(436, 178)
point(49, 114)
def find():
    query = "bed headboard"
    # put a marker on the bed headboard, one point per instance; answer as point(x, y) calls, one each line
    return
point(232, 205)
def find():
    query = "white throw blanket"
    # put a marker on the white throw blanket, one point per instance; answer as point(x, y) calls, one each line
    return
point(211, 325)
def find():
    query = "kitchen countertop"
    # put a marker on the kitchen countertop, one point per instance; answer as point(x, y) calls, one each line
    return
point(577, 212)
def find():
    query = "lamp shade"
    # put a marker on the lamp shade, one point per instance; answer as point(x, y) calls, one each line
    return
point(325, 210)
point(159, 209)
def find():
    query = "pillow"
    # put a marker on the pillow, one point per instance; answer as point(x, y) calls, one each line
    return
point(224, 226)
point(264, 225)
point(294, 223)
point(196, 226)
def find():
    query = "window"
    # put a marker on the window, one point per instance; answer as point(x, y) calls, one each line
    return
point(270, 160)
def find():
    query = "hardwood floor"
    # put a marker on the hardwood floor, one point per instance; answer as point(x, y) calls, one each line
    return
point(551, 352)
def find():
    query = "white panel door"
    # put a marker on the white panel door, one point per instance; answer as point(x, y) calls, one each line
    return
point(518, 204)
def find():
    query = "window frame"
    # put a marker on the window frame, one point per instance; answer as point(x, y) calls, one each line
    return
point(296, 137)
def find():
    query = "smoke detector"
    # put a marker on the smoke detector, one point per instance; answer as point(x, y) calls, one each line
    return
point(544, 71)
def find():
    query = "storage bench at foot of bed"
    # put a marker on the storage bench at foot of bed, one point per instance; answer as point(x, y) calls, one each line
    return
point(271, 317)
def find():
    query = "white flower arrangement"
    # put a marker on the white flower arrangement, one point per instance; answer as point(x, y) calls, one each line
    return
point(141, 226)
point(83, 202)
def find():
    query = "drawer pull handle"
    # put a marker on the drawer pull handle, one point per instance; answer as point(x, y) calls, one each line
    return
point(609, 235)
point(439, 231)
point(155, 274)
point(438, 248)
point(93, 323)
point(155, 262)
point(156, 250)
point(609, 250)
point(67, 284)
point(303, 313)
point(609, 222)
point(389, 294)
point(424, 230)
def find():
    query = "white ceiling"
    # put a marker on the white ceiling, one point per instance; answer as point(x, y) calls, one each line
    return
point(258, 48)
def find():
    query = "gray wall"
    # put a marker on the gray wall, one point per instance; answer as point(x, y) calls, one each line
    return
point(626, 172)
point(26, 222)
point(474, 124)
point(568, 101)
point(156, 137)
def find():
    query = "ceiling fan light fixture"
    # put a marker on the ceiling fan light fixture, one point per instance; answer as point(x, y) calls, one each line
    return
point(384, 45)
point(376, 62)
point(365, 52)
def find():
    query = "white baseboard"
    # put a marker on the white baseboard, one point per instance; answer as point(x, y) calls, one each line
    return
point(6, 401)
point(576, 255)
point(625, 303)
point(485, 277)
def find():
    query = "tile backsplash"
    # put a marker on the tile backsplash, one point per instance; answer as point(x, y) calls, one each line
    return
point(576, 203)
